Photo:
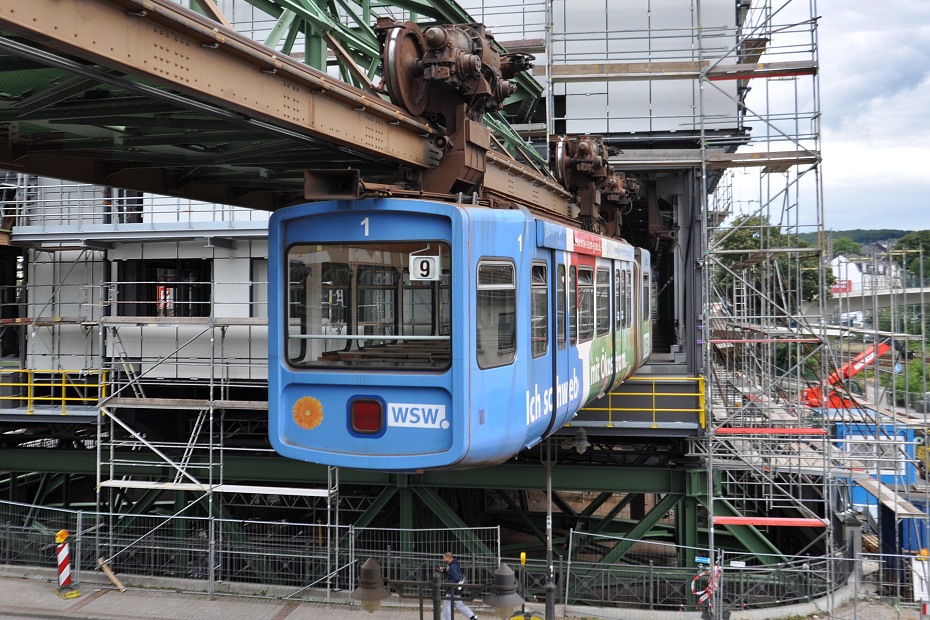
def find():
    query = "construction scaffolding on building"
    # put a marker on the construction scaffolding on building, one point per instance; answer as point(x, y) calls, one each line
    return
point(138, 323)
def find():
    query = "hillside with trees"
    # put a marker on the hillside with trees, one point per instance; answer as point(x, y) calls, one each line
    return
point(859, 236)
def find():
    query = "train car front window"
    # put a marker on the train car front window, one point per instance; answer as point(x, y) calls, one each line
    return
point(357, 305)
point(496, 310)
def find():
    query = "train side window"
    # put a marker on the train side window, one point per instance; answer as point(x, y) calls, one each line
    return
point(572, 307)
point(602, 302)
point(585, 304)
point(618, 299)
point(496, 310)
point(560, 306)
point(647, 298)
point(628, 293)
point(539, 311)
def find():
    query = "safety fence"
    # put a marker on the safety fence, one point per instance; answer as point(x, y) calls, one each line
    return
point(308, 558)
point(312, 560)
point(670, 577)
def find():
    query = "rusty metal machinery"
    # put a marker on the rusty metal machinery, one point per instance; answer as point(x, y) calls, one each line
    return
point(451, 75)
point(581, 165)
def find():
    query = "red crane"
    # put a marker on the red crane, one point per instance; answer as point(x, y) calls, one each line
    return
point(812, 396)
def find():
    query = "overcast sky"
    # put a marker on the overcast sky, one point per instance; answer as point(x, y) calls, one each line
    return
point(875, 100)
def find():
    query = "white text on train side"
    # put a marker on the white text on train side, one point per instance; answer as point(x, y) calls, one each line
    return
point(601, 368)
point(417, 415)
point(538, 405)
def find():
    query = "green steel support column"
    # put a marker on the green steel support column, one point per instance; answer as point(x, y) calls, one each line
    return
point(406, 501)
point(686, 525)
point(315, 54)
point(405, 494)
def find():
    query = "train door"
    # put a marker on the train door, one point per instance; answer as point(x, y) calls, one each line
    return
point(540, 395)
point(560, 338)
point(621, 317)
point(643, 287)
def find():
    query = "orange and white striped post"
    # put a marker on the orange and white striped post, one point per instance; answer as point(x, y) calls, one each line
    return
point(64, 559)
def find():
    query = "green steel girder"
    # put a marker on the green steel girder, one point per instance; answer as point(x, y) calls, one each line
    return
point(522, 515)
point(596, 503)
point(676, 485)
point(563, 505)
point(285, 471)
point(361, 39)
point(749, 536)
point(686, 526)
point(610, 516)
point(652, 517)
point(318, 16)
point(451, 520)
point(376, 506)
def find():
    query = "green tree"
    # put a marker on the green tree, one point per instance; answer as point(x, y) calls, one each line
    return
point(846, 247)
point(917, 246)
point(913, 380)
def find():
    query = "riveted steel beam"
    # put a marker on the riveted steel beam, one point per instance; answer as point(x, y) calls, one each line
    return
point(163, 43)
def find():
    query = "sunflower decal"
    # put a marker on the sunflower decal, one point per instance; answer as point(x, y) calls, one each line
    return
point(308, 412)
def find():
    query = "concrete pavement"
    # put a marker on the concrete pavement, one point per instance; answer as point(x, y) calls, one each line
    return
point(32, 593)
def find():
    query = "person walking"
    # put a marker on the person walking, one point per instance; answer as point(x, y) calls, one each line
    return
point(453, 576)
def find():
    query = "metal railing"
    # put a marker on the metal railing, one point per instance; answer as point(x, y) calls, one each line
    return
point(41, 390)
point(312, 560)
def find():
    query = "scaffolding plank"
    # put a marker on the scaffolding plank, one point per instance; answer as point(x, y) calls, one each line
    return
point(218, 488)
point(183, 403)
point(672, 158)
point(769, 430)
point(674, 70)
point(889, 498)
point(142, 321)
point(770, 521)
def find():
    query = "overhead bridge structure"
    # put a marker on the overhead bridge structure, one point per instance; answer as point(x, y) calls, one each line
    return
point(132, 334)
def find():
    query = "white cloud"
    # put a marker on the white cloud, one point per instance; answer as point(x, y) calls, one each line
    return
point(875, 98)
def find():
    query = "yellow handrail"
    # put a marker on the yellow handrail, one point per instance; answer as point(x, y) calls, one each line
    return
point(655, 394)
point(53, 386)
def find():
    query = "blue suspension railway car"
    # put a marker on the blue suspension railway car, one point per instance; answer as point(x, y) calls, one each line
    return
point(410, 334)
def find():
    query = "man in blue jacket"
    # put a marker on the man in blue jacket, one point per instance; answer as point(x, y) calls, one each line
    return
point(453, 573)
